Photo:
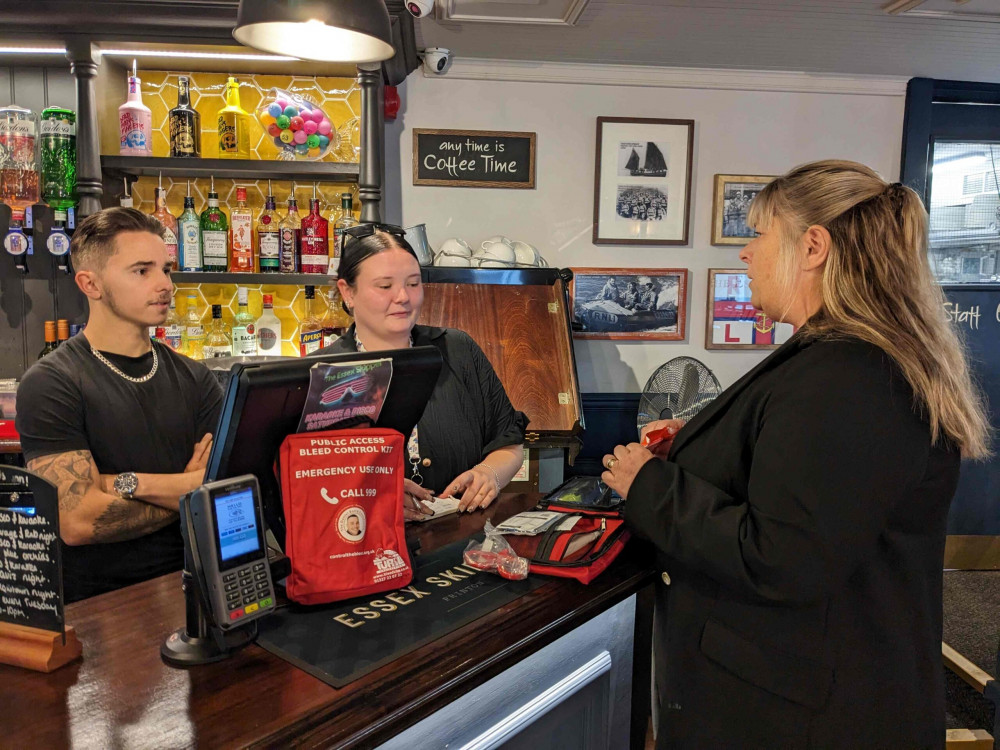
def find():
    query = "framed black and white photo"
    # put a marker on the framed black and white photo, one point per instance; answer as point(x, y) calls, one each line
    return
point(642, 182)
point(733, 195)
point(630, 303)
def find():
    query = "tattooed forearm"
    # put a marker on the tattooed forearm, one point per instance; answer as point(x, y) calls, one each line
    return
point(73, 473)
point(128, 519)
point(87, 513)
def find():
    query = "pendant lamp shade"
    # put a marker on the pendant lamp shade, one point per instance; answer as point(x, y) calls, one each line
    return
point(357, 31)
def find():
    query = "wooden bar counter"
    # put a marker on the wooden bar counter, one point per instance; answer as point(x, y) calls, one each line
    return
point(123, 695)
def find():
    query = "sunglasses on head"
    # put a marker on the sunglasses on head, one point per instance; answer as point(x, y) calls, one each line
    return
point(360, 231)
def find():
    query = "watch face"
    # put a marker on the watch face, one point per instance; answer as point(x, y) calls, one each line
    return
point(127, 483)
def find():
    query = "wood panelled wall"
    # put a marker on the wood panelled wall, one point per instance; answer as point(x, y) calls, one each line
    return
point(44, 293)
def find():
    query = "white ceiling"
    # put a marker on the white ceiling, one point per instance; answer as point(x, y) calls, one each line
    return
point(940, 39)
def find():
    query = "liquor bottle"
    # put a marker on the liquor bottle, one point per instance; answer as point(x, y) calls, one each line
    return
point(244, 326)
point(135, 121)
point(311, 327)
point(74, 329)
point(173, 331)
point(234, 125)
point(337, 321)
point(189, 232)
point(19, 179)
point(345, 221)
point(50, 339)
point(315, 239)
point(169, 222)
point(268, 236)
point(268, 330)
point(218, 342)
point(290, 238)
point(214, 234)
point(194, 332)
point(58, 149)
point(241, 234)
point(185, 123)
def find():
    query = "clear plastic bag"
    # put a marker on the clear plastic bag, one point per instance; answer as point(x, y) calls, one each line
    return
point(495, 555)
point(298, 126)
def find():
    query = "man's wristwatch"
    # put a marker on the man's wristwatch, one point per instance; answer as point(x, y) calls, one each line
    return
point(126, 484)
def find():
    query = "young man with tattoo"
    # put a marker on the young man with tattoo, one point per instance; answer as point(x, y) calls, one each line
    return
point(121, 425)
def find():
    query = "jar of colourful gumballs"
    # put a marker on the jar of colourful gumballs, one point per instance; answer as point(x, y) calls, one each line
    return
point(299, 128)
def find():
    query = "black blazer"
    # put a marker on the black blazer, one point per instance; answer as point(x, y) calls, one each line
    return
point(800, 518)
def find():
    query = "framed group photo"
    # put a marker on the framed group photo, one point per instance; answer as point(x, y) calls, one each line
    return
point(630, 303)
point(733, 195)
point(732, 320)
point(642, 181)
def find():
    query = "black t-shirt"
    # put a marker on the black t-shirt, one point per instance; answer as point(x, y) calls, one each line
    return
point(71, 401)
point(469, 414)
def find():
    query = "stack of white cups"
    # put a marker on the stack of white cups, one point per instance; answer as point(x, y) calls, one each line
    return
point(494, 252)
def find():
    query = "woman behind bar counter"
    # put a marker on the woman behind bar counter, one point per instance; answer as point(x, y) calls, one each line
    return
point(800, 518)
point(468, 441)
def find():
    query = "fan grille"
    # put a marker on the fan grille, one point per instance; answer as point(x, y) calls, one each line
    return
point(678, 389)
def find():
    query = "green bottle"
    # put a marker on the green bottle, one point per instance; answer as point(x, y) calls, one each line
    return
point(214, 234)
point(189, 235)
point(58, 152)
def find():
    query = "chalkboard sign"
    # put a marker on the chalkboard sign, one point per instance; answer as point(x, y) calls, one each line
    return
point(30, 570)
point(473, 158)
point(975, 310)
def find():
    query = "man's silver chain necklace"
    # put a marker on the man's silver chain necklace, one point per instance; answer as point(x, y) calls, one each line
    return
point(129, 378)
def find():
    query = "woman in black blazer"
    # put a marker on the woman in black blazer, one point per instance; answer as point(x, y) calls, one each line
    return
point(799, 519)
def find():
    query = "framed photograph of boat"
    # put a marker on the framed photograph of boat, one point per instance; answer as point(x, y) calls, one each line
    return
point(732, 320)
point(642, 181)
point(733, 194)
point(630, 303)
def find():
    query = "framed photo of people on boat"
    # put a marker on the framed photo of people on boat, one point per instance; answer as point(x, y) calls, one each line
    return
point(642, 181)
point(731, 203)
point(732, 321)
point(630, 303)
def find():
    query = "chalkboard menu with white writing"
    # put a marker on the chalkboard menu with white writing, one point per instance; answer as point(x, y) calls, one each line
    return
point(473, 158)
point(975, 311)
point(30, 572)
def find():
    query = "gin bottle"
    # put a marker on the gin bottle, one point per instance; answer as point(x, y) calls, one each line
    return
point(189, 230)
point(290, 238)
point(268, 236)
point(214, 234)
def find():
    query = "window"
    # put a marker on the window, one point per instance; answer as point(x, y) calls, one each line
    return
point(965, 212)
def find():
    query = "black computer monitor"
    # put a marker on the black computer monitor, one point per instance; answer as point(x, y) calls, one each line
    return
point(263, 404)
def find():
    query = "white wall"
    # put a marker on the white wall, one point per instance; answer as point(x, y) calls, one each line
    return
point(772, 122)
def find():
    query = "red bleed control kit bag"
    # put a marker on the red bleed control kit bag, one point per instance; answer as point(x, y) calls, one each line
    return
point(342, 492)
point(582, 552)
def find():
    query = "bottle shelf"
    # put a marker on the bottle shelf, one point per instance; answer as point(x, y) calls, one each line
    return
point(276, 279)
point(236, 169)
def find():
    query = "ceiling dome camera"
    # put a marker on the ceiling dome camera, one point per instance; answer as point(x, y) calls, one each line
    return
point(420, 8)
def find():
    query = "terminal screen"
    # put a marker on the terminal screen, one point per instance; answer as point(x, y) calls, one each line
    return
point(237, 523)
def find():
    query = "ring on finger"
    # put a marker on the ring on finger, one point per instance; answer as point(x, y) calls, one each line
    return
point(611, 463)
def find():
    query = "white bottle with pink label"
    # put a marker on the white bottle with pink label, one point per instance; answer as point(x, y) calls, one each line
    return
point(136, 121)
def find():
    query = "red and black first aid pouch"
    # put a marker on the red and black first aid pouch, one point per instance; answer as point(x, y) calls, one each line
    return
point(342, 492)
point(595, 539)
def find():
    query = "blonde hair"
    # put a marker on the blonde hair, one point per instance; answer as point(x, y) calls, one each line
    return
point(877, 285)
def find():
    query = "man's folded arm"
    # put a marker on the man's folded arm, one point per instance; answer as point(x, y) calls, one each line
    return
point(87, 514)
